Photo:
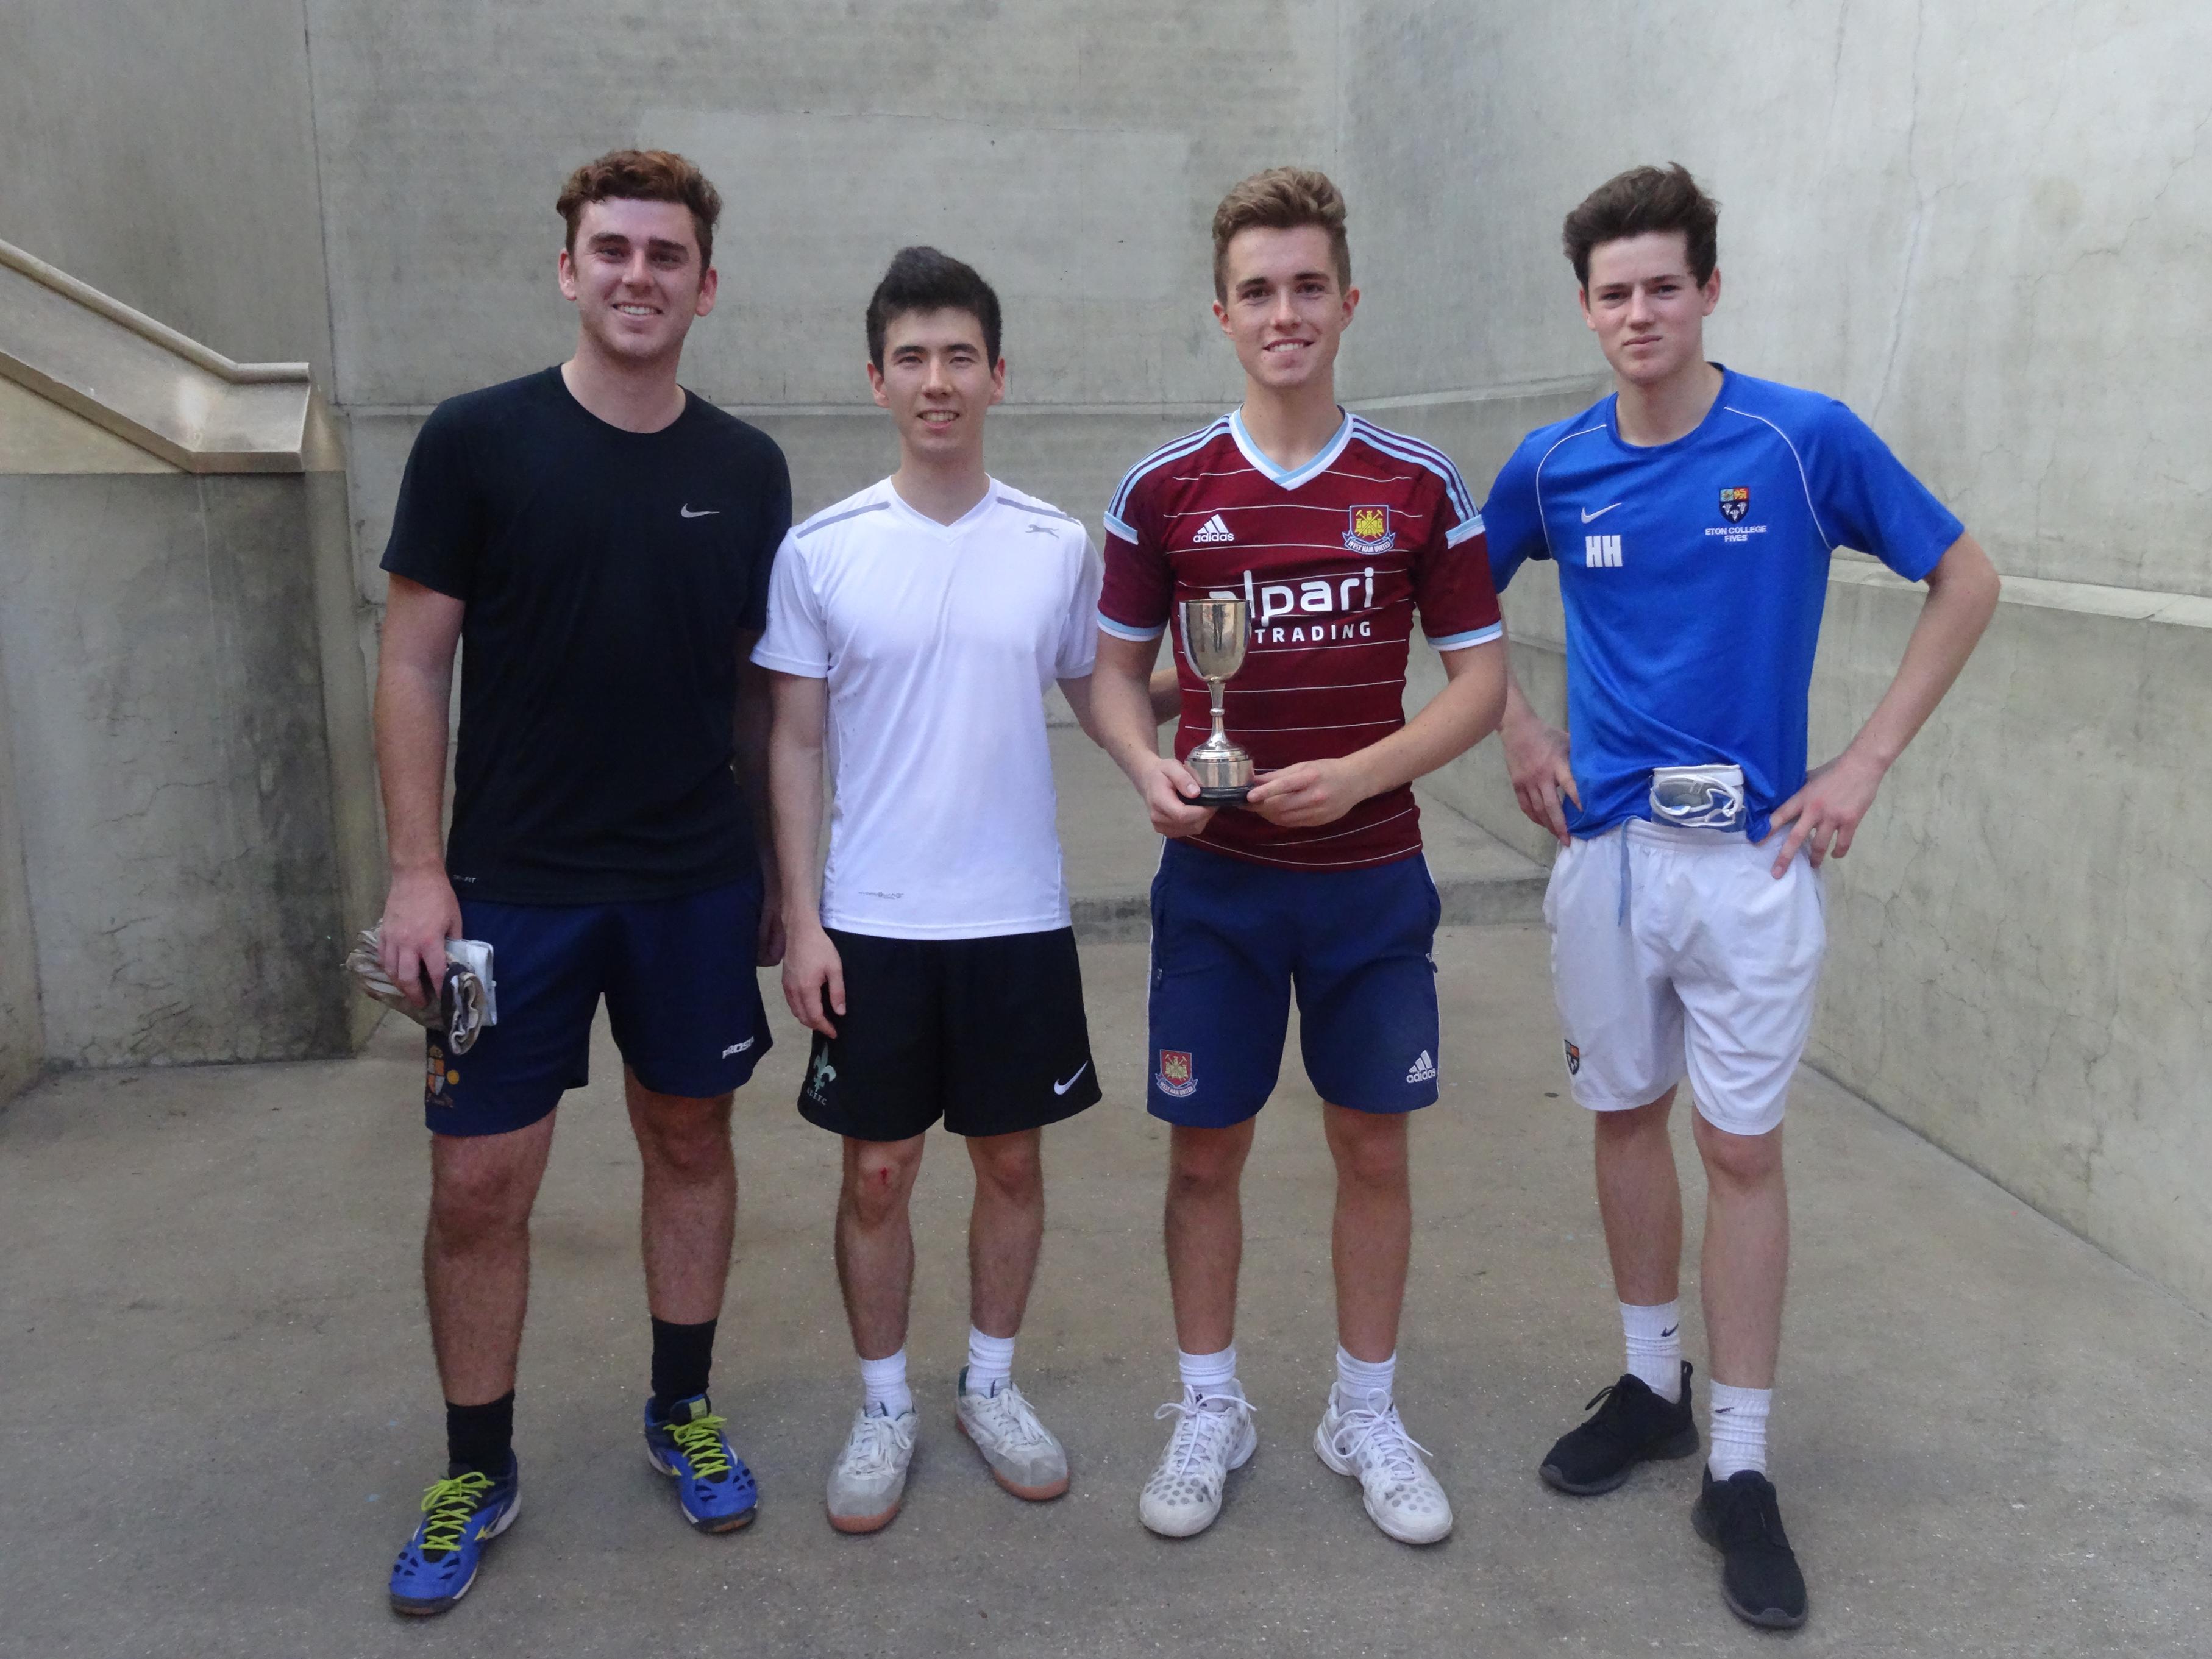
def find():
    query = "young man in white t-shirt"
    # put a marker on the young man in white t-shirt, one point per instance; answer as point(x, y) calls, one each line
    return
point(914, 627)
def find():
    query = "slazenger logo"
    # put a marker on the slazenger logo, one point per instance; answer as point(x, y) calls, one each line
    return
point(1310, 612)
point(736, 1048)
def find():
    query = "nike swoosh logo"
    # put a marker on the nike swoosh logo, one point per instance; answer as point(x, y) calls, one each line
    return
point(1668, 1332)
point(685, 511)
point(1601, 512)
point(1062, 1088)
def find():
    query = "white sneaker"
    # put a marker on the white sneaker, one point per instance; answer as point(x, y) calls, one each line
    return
point(1023, 1457)
point(1401, 1496)
point(1213, 1435)
point(868, 1480)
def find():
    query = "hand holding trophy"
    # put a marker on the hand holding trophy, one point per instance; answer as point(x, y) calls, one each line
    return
point(1214, 631)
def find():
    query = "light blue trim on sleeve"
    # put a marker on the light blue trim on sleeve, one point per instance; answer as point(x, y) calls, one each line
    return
point(1477, 637)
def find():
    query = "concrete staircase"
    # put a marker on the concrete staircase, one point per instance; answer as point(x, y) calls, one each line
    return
point(1111, 853)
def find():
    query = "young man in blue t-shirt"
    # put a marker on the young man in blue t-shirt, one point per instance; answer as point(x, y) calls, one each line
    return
point(1692, 513)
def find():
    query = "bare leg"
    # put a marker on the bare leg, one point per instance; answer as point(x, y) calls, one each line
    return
point(875, 1241)
point(1639, 1199)
point(690, 1215)
point(476, 1255)
point(1005, 1228)
point(1206, 1232)
point(1373, 1234)
point(1746, 1254)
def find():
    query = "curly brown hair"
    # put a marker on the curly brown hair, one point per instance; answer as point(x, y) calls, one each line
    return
point(1638, 202)
point(643, 175)
point(1281, 198)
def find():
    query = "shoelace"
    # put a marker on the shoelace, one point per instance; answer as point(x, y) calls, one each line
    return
point(1200, 1428)
point(1011, 1417)
point(450, 1504)
point(1382, 1435)
point(700, 1441)
point(874, 1434)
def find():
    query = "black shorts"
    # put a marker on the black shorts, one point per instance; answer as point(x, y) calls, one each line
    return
point(987, 1034)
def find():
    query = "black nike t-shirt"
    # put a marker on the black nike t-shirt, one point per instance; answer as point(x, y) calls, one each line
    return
point(607, 575)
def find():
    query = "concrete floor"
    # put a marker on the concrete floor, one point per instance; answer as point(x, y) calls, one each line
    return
point(220, 1407)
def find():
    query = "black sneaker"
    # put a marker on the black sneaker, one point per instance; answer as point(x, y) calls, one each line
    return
point(1741, 1518)
point(1633, 1425)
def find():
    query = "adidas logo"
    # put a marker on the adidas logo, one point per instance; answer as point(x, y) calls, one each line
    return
point(1214, 531)
point(1424, 1070)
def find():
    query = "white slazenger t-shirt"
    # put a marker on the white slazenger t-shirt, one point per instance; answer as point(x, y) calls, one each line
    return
point(937, 642)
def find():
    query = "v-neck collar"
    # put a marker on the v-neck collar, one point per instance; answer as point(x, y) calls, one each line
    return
point(959, 527)
point(1266, 469)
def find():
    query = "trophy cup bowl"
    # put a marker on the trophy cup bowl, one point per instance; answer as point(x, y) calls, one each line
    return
point(1214, 632)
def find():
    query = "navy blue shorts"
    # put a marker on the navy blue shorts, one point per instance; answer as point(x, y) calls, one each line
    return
point(682, 994)
point(1231, 941)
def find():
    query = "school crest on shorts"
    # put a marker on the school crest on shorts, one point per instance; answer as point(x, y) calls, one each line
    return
point(1734, 503)
point(1174, 1076)
point(1369, 530)
point(1574, 1060)
point(436, 1076)
point(824, 1074)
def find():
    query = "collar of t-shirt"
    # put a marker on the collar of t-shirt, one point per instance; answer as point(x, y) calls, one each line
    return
point(911, 515)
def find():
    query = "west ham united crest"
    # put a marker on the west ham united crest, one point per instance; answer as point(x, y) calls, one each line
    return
point(1369, 530)
point(1175, 1075)
point(1734, 503)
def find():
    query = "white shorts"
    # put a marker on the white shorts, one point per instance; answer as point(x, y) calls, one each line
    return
point(1675, 953)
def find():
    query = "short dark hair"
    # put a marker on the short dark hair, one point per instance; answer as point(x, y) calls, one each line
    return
point(1281, 198)
point(1638, 202)
point(923, 279)
point(643, 175)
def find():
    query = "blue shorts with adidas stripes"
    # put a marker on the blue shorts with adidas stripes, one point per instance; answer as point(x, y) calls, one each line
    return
point(1232, 941)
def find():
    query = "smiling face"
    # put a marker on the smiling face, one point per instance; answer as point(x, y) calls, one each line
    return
point(937, 382)
point(1284, 310)
point(636, 277)
point(1646, 309)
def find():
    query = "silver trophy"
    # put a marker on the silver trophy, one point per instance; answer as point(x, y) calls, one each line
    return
point(1214, 637)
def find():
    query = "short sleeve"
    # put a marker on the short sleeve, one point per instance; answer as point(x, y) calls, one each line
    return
point(1077, 650)
point(796, 640)
point(773, 527)
point(438, 526)
point(1512, 518)
point(1864, 498)
point(1138, 584)
point(1451, 573)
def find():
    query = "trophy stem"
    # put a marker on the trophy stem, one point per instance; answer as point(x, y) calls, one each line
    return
point(1220, 732)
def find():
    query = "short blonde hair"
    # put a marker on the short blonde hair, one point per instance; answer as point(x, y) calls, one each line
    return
point(1281, 198)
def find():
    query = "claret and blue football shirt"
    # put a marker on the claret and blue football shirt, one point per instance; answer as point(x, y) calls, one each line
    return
point(1693, 574)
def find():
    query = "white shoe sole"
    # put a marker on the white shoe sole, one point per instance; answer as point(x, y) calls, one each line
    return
point(1043, 1494)
point(1344, 1466)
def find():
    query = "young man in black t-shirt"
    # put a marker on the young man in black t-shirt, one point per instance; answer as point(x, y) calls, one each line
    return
point(601, 541)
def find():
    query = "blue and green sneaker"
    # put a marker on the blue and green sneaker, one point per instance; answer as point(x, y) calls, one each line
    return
point(712, 1484)
point(460, 1516)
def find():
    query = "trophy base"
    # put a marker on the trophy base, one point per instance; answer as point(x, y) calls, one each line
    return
point(1223, 794)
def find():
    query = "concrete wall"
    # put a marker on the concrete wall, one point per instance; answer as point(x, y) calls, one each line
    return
point(1977, 235)
point(22, 1031)
point(166, 154)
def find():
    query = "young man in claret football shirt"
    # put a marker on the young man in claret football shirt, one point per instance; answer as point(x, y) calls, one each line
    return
point(1338, 533)
point(1692, 512)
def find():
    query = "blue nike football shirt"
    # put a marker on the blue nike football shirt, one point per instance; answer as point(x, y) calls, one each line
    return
point(1693, 574)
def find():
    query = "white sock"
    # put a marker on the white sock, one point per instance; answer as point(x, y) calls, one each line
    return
point(883, 1384)
point(1739, 1429)
point(1363, 1382)
point(1207, 1373)
point(1655, 1346)
point(990, 1361)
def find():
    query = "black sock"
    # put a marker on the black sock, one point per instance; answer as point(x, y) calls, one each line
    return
point(683, 1355)
point(481, 1437)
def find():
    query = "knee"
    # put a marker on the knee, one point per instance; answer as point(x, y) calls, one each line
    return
point(1370, 1148)
point(688, 1143)
point(472, 1200)
point(1011, 1165)
point(1205, 1164)
point(1740, 1161)
point(879, 1176)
